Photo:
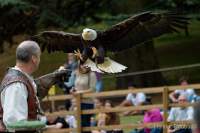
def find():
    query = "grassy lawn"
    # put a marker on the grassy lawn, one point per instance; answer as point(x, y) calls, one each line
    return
point(130, 120)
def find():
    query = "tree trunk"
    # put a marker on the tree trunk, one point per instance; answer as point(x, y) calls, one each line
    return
point(136, 59)
point(1, 46)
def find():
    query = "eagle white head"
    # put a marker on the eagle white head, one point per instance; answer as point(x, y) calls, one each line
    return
point(89, 34)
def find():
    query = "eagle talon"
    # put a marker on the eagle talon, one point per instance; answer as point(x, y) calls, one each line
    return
point(95, 52)
point(78, 54)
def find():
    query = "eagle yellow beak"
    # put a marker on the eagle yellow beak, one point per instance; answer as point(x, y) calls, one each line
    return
point(85, 36)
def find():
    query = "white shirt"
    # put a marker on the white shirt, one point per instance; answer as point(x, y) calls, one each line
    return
point(14, 101)
point(85, 81)
point(136, 99)
point(178, 114)
point(71, 120)
point(189, 93)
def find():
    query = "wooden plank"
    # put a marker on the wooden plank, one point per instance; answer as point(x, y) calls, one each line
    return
point(116, 109)
point(57, 98)
point(65, 130)
point(165, 109)
point(189, 122)
point(123, 92)
point(78, 112)
point(124, 126)
point(53, 106)
point(60, 113)
point(181, 105)
point(121, 109)
point(151, 90)
point(178, 87)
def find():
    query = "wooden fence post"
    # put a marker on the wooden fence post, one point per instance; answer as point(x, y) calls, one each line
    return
point(53, 108)
point(78, 112)
point(165, 109)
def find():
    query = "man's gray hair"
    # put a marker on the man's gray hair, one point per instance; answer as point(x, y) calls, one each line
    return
point(26, 50)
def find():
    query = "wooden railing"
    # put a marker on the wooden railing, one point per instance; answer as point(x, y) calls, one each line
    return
point(164, 91)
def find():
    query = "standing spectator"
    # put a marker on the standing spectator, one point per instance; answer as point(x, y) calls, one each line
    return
point(71, 62)
point(133, 100)
point(180, 114)
point(85, 82)
point(72, 65)
point(189, 92)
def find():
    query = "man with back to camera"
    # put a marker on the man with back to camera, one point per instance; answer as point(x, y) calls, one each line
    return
point(18, 89)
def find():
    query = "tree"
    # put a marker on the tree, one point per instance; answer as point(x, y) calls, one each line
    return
point(26, 17)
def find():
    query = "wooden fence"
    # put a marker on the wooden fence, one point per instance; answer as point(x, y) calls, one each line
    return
point(164, 91)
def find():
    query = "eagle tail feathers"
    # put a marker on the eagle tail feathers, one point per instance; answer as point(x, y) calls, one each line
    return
point(111, 66)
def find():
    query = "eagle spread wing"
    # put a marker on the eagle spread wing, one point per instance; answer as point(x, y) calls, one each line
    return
point(140, 28)
point(58, 41)
point(130, 32)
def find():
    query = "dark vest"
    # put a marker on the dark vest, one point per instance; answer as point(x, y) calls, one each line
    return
point(13, 76)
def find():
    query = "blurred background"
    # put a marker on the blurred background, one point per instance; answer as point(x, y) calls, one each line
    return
point(23, 18)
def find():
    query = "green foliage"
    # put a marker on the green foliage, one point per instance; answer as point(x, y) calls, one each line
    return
point(12, 2)
point(174, 3)
point(28, 16)
point(183, 5)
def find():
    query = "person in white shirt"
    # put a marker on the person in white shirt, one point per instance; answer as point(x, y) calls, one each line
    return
point(180, 114)
point(133, 100)
point(189, 92)
point(17, 95)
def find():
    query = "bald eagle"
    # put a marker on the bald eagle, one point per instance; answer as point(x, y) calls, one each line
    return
point(91, 45)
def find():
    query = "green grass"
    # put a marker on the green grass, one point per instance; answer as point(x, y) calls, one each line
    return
point(130, 120)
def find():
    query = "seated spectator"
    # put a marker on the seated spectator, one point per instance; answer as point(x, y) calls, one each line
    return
point(151, 115)
point(70, 119)
point(180, 114)
point(133, 100)
point(98, 119)
point(97, 105)
point(188, 92)
point(56, 122)
point(85, 82)
point(112, 118)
